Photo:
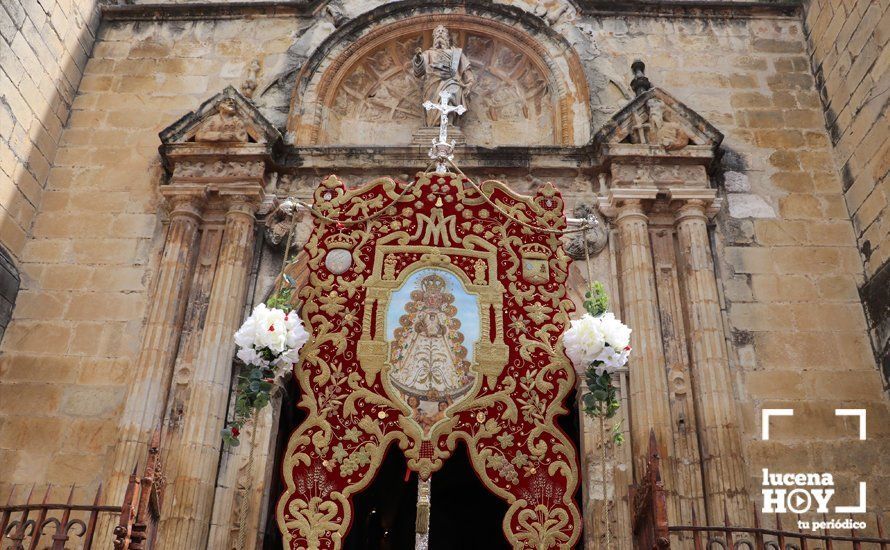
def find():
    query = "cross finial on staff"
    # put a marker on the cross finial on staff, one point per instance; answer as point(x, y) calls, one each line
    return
point(442, 150)
point(444, 109)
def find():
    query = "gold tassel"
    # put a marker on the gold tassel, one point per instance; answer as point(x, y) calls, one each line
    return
point(422, 523)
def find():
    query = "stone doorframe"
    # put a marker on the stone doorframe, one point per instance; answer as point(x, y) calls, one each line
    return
point(225, 160)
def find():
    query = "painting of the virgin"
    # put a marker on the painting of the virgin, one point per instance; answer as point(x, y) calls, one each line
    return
point(432, 327)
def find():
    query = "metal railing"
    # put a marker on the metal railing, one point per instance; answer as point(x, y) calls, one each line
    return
point(651, 530)
point(58, 526)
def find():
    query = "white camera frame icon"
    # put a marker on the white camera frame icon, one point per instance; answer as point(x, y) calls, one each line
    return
point(766, 414)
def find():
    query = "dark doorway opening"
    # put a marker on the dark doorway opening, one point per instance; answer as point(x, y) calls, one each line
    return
point(383, 513)
point(465, 515)
point(290, 418)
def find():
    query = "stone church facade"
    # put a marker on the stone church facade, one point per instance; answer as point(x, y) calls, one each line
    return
point(740, 176)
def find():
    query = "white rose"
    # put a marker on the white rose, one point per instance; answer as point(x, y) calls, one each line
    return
point(614, 332)
point(584, 341)
point(245, 337)
point(265, 328)
point(296, 334)
point(288, 358)
point(611, 360)
point(250, 357)
point(274, 336)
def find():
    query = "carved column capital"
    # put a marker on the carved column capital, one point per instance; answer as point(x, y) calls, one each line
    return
point(691, 209)
point(185, 200)
point(631, 209)
point(621, 200)
point(694, 203)
point(242, 199)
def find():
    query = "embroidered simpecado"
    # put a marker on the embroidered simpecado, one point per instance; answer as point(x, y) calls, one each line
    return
point(474, 303)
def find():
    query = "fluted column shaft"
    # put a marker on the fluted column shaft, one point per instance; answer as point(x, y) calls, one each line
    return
point(147, 395)
point(648, 380)
point(189, 507)
point(717, 418)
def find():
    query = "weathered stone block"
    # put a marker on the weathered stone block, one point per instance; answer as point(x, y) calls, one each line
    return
point(746, 205)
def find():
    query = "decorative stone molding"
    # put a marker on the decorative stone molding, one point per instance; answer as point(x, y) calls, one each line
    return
point(657, 154)
point(690, 202)
point(222, 119)
point(614, 200)
point(503, 43)
point(655, 125)
point(225, 147)
point(220, 155)
point(185, 200)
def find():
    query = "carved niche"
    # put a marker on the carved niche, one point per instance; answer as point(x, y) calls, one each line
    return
point(368, 95)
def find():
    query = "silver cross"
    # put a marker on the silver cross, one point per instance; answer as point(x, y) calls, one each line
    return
point(442, 150)
point(445, 109)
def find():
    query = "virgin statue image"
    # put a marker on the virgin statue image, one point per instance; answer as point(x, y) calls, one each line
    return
point(443, 67)
point(428, 357)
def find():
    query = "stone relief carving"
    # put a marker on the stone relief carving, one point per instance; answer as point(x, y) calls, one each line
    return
point(283, 219)
point(379, 99)
point(219, 169)
point(662, 128)
point(224, 125)
point(443, 68)
point(655, 125)
point(249, 86)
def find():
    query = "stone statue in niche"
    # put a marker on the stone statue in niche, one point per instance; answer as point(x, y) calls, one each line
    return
point(225, 125)
point(443, 67)
point(663, 130)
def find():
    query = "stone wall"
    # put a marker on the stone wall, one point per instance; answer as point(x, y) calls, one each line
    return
point(68, 353)
point(44, 48)
point(786, 249)
point(787, 252)
point(850, 58)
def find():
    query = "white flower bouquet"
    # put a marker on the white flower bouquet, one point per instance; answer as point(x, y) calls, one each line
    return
point(269, 339)
point(270, 336)
point(598, 344)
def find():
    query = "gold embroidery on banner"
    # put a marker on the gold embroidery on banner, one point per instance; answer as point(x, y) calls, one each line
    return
point(310, 521)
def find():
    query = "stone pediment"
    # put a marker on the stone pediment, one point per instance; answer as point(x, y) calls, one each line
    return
point(659, 123)
point(226, 118)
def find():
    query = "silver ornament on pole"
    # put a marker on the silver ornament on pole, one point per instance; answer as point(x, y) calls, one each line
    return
point(443, 151)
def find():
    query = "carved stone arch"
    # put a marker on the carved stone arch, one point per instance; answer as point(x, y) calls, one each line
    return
point(361, 75)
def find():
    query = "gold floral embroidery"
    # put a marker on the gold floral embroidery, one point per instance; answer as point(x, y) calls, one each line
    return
point(508, 419)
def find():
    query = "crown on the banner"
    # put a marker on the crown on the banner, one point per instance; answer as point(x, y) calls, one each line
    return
point(534, 250)
point(340, 240)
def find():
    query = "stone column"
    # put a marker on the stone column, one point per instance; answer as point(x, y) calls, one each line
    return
point(717, 418)
point(153, 369)
point(189, 507)
point(648, 380)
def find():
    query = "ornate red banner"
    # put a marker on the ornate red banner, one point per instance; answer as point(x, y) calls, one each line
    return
point(435, 313)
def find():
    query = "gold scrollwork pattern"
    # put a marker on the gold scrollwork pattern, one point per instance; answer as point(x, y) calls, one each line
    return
point(518, 374)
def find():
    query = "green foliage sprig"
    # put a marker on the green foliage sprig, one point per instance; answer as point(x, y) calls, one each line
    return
point(601, 399)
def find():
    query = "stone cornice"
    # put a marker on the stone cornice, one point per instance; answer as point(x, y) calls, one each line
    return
point(309, 8)
point(726, 9)
point(211, 10)
point(414, 158)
